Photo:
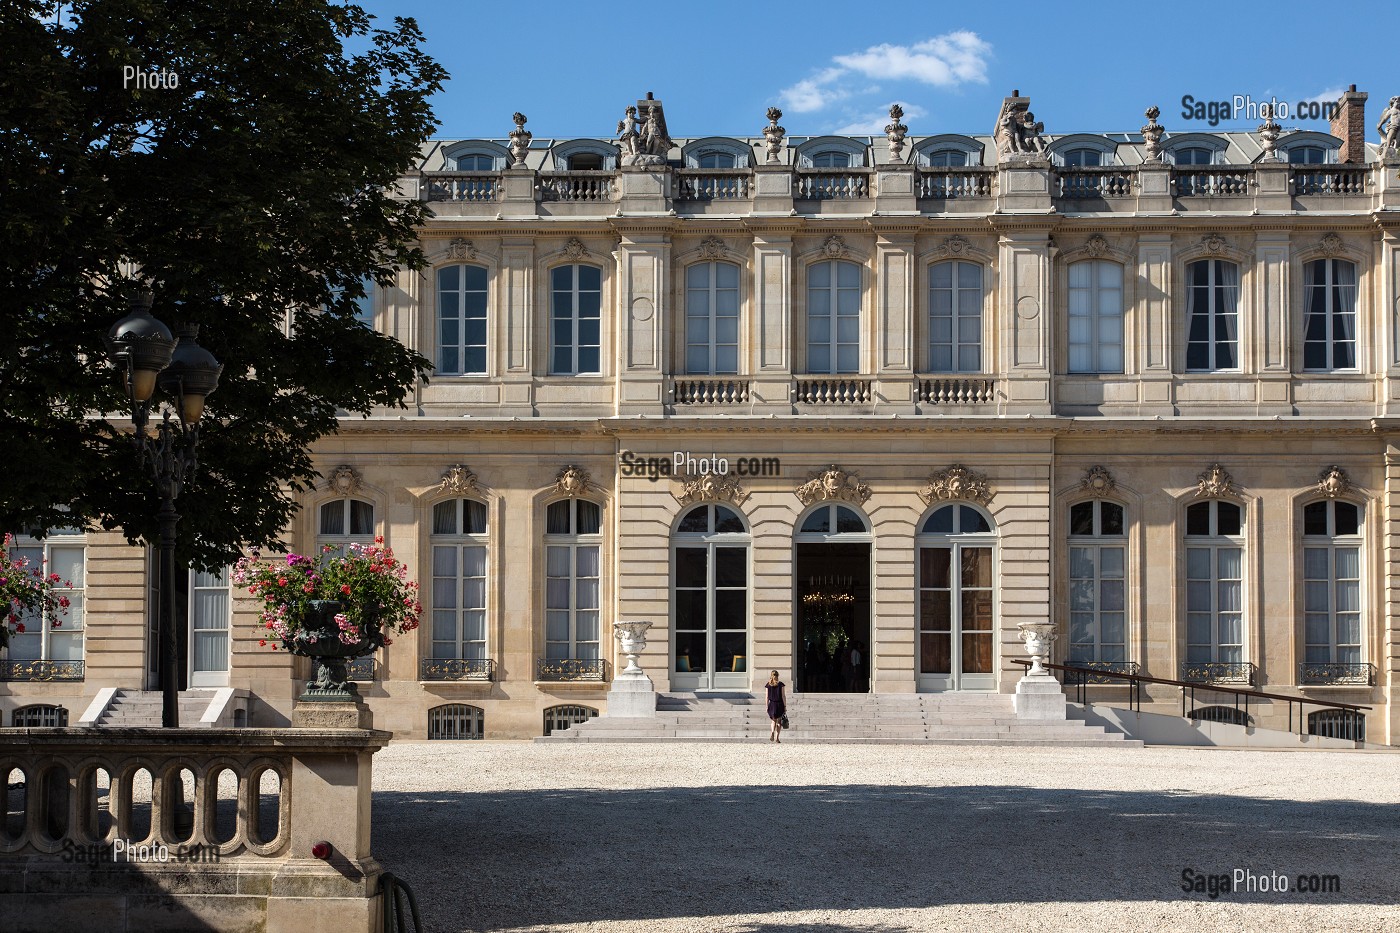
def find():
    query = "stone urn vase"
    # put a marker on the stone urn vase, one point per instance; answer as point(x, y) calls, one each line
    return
point(632, 638)
point(1038, 637)
point(319, 638)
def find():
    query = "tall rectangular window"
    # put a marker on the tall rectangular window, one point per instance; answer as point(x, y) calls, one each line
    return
point(209, 627)
point(712, 319)
point(955, 317)
point(63, 552)
point(1214, 583)
point(576, 322)
point(833, 317)
point(461, 320)
point(1097, 580)
point(1329, 328)
point(459, 540)
point(1095, 317)
point(1213, 298)
point(1332, 583)
point(573, 603)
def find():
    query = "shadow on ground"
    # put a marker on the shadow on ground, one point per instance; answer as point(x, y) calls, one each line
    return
point(482, 861)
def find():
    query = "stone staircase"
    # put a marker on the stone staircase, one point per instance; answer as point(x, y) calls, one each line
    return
point(934, 718)
point(142, 709)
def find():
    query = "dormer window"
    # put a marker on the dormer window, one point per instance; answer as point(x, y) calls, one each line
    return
point(831, 158)
point(1307, 155)
point(586, 162)
point(947, 158)
point(1193, 155)
point(476, 162)
point(715, 160)
point(1076, 158)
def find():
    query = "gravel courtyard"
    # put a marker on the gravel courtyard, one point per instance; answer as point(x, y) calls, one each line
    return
point(885, 839)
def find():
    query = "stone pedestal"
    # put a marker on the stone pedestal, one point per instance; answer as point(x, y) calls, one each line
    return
point(1154, 188)
point(772, 191)
point(632, 694)
point(517, 198)
point(1025, 185)
point(1274, 194)
point(644, 189)
point(332, 714)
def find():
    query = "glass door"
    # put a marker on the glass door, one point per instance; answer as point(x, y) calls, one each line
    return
point(956, 604)
point(711, 601)
point(209, 629)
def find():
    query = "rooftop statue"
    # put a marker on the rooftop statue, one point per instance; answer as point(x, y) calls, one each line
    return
point(1017, 133)
point(1389, 128)
point(648, 143)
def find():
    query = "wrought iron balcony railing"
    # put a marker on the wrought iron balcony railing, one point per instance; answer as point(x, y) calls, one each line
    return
point(481, 670)
point(41, 670)
point(1083, 676)
point(571, 670)
point(1218, 672)
point(362, 670)
point(1339, 673)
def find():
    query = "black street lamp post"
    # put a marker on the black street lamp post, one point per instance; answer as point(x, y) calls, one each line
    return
point(186, 374)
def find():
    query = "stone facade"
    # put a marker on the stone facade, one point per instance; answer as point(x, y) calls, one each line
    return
point(938, 324)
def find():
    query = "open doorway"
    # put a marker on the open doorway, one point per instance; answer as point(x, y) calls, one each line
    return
point(832, 602)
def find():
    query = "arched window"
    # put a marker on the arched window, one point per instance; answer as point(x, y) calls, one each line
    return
point(1333, 646)
point(577, 303)
point(1193, 155)
point(715, 160)
point(1329, 326)
point(711, 597)
point(56, 642)
point(344, 520)
point(833, 317)
point(831, 158)
point(566, 716)
point(1228, 714)
point(712, 319)
point(834, 520)
point(475, 162)
point(573, 606)
point(1212, 314)
point(1098, 547)
point(1095, 317)
point(956, 599)
point(456, 721)
point(459, 541)
point(586, 162)
point(1215, 592)
point(1346, 724)
point(39, 716)
point(955, 317)
point(1307, 155)
point(946, 158)
point(461, 320)
point(1080, 157)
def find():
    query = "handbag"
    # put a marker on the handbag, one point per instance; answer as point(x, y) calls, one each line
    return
point(783, 721)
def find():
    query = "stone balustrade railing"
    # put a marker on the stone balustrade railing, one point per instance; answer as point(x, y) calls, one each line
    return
point(1213, 181)
point(833, 390)
point(710, 391)
point(577, 186)
point(461, 186)
point(952, 183)
point(185, 817)
point(1097, 182)
point(956, 390)
point(713, 184)
point(832, 184)
point(1332, 179)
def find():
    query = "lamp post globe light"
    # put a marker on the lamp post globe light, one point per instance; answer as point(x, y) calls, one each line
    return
point(149, 358)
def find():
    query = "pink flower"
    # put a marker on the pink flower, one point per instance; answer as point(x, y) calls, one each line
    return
point(345, 588)
point(19, 626)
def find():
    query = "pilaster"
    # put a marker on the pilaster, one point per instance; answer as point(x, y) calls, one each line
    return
point(643, 330)
point(1152, 327)
point(1271, 342)
point(1025, 310)
point(770, 324)
point(516, 328)
point(1388, 313)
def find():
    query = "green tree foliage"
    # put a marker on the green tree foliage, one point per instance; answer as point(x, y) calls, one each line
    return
point(253, 197)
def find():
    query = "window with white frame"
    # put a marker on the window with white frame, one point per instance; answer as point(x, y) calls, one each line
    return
point(1214, 583)
point(461, 320)
point(955, 317)
point(1075, 158)
point(576, 320)
point(715, 160)
point(1193, 155)
point(1098, 547)
point(833, 317)
point(459, 540)
point(1329, 326)
point(1307, 155)
point(364, 304)
point(712, 318)
point(341, 521)
point(210, 618)
point(573, 550)
point(475, 162)
point(60, 637)
point(1212, 315)
point(1095, 316)
point(1332, 583)
point(831, 158)
point(946, 158)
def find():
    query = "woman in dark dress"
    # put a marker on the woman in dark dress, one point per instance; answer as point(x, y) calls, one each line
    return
point(777, 705)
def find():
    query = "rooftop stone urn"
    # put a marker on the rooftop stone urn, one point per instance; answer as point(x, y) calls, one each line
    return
point(632, 693)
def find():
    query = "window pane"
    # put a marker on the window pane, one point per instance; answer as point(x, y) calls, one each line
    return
point(557, 517)
point(590, 517)
point(361, 517)
point(445, 517)
point(1111, 518)
point(1228, 518)
point(1348, 518)
point(1081, 518)
point(333, 518)
point(1198, 519)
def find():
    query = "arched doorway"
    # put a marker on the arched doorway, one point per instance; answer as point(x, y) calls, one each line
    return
point(956, 548)
point(710, 596)
point(831, 571)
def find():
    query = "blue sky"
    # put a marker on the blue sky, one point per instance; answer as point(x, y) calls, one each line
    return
point(835, 67)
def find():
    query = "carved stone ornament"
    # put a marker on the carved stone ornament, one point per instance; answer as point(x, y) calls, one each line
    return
point(1269, 132)
point(1096, 246)
point(956, 482)
point(1017, 133)
point(519, 141)
point(1333, 482)
point(1215, 482)
point(1214, 242)
point(833, 483)
point(710, 487)
point(1098, 480)
point(458, 479)
point(1330, 244)
point(712, 247)
point(1389, 128)
point(1152, 134)
point(955, 245)
point(345, 480)
point(835, 246)
point(773, 136)
point(572, 481)
point(459, 248)
point(894, 133)
point(574, 248)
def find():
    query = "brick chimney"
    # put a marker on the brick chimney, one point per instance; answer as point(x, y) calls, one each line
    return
point(1349, 125)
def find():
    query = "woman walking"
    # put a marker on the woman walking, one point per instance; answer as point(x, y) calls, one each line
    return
point(777, 705)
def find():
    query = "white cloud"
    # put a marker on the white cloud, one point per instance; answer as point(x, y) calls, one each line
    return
point(943, 61)
point(875, 124)
point(1326, 97)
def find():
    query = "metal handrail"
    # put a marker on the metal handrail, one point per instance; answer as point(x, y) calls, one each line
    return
point(1188, 690)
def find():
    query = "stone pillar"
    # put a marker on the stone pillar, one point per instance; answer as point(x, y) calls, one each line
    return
point(894, 190)
point(894, 348)
point(1388, 660)
point(515, 332)
point(1272, 341)
point(1388, 311)
point(770, 324)
point(1154, 188)
point(632, 694)
point(1025, 310)
point(1025, 185)
point(1274, 194)
point(518, 193)
point(643, 318)
point(1151, 319)
point(772, 191)
point(1387, 182)
point(644, 189)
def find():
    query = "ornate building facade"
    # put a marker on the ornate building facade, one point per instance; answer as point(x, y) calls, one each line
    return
point(785, 397)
